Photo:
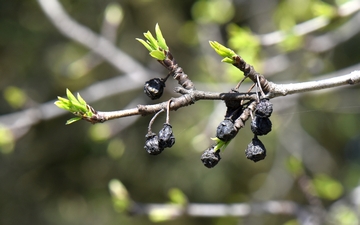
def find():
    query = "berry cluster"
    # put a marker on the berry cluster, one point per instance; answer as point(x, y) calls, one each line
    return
point(155, 144)
point(234, 120)
point(225, 132)
point(238, 111)
point(260, 125)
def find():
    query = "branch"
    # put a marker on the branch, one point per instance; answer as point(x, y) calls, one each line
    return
point(99, 45)
point(189, 97)
point(335, 37)
point(271, 89)
point(276, 90)
point(217, 210)
point(309, 26)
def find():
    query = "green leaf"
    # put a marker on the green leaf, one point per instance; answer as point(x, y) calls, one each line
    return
point(71, 97)
point(177, 196)
point(228, 60)
point(62, 105)
point(152, 41)
point(327, 187)
point(64, 100)
point(160, 38)
point(120, 196)
point(81, 100)
point(147, 46)
point(73, 120)
point(160, 55)
point(320, 8)
point(222, 50)
point(77, 106)
point(220, 144)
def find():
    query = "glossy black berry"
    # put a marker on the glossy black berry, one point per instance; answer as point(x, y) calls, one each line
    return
point(261, 125)
point(210, 158)
point(152, 144)
point(154, 88)
point(226, 130)
point(264, 108)
point(166, 136)
point(255, 151)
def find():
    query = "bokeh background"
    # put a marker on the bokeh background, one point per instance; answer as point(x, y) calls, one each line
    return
point(77, 174)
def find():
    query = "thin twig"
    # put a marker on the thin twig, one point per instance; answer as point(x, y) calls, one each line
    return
point(276, 90)
point(152, 121)
point(238, 85)
point(168, 112)
point(220, 210)
point(98, 44)
point(309, 26)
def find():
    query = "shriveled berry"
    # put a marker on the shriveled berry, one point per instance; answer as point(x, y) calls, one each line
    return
point(152, 144)
point(210, 158)
point(166, 136)
point(255, 151)
point(226, 130)
point(264, 108)
point(154, 88)
point(261, 125)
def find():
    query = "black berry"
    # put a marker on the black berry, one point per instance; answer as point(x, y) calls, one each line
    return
point(226, 130)
point(154, 88)
point(261, 125)
point(152, 144)
point(255, 151)
point(210, 158)
point(264, 108)
point(166, 136)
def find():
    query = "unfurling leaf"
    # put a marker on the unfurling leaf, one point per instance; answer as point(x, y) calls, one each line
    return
point(156, 47)
point(159, 55)
point(222, 50)
point(152, 41)
point(220, 144)
point(76, 106)
point(228, 60)
point(73, 120)
point(147, 46)
point(160, 38)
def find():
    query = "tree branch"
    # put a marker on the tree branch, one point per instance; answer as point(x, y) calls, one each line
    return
point(189, 97)
point(271, 89)
point(217, 210)
point(276, 90)
point(311, 25)
point(98, 44)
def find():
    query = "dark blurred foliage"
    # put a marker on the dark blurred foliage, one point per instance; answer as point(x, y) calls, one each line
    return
point(57, 174)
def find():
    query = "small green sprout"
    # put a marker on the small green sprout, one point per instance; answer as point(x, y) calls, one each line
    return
point(156, 47)
point(224, 52)
point(220, 144)
point(76, 106)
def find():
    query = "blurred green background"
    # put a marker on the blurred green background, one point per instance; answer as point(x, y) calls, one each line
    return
point(56, 174)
